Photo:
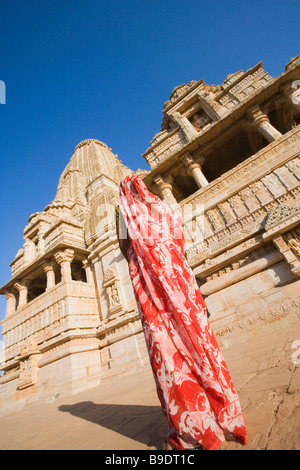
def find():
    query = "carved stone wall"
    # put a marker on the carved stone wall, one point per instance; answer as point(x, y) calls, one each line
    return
point(71, 317)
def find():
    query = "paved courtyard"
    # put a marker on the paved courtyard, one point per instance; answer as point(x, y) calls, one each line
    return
point(124, 413)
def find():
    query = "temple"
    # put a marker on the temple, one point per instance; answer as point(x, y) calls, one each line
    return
point(227, 159)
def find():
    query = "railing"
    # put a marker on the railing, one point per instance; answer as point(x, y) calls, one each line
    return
point(63, 233)
point(67, 306)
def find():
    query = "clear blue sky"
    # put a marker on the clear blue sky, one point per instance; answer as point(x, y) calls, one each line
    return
point(78, 69)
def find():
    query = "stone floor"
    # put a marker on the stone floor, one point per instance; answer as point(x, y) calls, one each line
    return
point(124, 413)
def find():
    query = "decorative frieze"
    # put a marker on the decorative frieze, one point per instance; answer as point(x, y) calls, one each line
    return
point(286, 307)
point(111, 329)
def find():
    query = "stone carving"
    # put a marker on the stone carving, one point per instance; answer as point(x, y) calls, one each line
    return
point(288, 306)
point(242, 194)
point(111, 284)
point(101, 216)
point(28, 372)
point(279, 213)
point(179, 91)
point(200, 120)
point(292, 238)
point(295, 246)
point(294, 166)
point(109, 276)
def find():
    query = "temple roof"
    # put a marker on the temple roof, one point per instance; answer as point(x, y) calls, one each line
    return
point(91, 159)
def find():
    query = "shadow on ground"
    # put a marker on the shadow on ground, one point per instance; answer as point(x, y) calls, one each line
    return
point(145, 424)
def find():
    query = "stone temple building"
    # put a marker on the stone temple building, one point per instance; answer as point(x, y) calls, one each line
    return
point(227, 158)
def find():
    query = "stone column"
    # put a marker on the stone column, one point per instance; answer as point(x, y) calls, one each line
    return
point(185, 125)
point(41, 244)
point(22, 288)
point(64, 259)
point(194, 169)
point(11, 303)
point(29, 251)
point(165, 186)
point(49, 270)
point(88, 271)
point(262, 124)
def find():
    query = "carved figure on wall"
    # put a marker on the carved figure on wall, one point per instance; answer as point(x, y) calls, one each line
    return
point(200, 120)
point(295, 246)
point(114, 295)
point(112, 285)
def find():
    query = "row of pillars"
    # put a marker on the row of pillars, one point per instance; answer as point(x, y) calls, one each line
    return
point(257, 120)
point(64, 259)
point(165, 184)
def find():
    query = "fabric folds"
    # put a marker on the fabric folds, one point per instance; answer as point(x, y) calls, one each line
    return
point(193, 383)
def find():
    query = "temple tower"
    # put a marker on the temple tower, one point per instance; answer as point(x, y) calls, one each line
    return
point(69, 298)
point(227, 159)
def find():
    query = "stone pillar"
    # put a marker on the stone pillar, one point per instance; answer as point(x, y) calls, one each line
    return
point(22, 288)
point(29, 251)
point(165, 186)
point(11, 303)
point(185, 125)
point(41, 243)
point(49, 270)
point(194, 169)
point(88, 271)
point(262, 124)
point(64, 259)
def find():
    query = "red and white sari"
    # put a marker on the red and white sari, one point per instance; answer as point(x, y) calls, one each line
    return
point(193, 384)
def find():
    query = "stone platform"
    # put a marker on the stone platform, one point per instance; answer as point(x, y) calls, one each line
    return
point(124, 413)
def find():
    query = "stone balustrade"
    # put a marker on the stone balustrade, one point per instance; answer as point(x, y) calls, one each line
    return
point(18, 292)
point(71, 305)
point(62, 233)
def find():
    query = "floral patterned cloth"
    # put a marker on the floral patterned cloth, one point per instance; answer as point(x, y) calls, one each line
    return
point(193, 383)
